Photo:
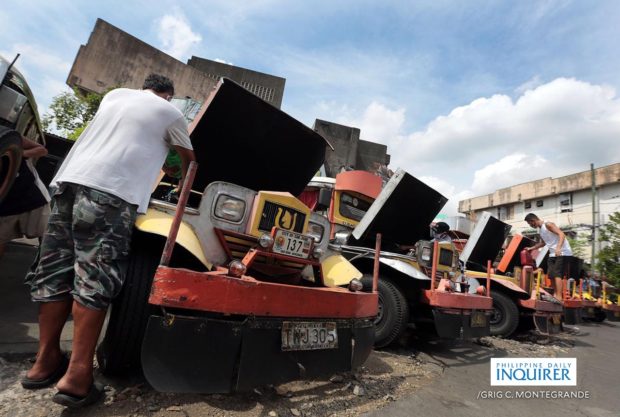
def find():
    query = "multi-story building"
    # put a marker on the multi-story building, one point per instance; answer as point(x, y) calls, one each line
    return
point(566, 201)
point(113, 58)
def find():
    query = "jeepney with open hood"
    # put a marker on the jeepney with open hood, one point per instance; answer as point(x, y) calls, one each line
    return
point(422, 285)
point(243, 300)
point(517, 288)
point(18, 116)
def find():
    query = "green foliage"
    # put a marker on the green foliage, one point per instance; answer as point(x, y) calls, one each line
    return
point(608, 257)
point(70, 112)
point(579, 246)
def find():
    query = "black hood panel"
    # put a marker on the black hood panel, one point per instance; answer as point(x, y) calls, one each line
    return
point(402, 212)
point(485, 242)
point(239, 138)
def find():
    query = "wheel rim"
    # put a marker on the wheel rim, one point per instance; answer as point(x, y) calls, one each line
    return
point(379, 311)
point(497, 317)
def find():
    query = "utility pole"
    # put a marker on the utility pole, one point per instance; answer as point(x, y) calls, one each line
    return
point(593, 218)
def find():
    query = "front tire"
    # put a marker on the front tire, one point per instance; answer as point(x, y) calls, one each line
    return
point(505, 318)
point(119, 352)
point(10, 158)
point(393, 314)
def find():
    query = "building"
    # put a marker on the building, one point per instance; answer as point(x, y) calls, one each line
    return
point(351, 152)
point(113, 58)
point(565, 201)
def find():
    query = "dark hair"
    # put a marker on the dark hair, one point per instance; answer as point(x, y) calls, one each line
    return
point(159, 84)
point(531, 216)
point(441, 227)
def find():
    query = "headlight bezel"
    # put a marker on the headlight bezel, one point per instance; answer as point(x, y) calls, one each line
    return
point(224, 198)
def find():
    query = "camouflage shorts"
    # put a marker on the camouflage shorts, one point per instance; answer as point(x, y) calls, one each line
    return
point(85, 248)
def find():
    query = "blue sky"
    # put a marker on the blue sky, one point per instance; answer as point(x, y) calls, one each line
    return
point(468, 95)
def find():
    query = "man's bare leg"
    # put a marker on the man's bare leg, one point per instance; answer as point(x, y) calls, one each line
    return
point(87, 325)
point(559, 288)
point(52, 318)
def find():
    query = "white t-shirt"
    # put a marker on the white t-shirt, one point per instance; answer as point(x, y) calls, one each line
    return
point(124, 147)
point(552, 240)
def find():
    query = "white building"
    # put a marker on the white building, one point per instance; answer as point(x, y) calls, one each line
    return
point(566, 201)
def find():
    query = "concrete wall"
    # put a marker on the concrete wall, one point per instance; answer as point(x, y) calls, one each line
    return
point(350, 150)
point(268, 87)
point(114, 58)
point(542, 188)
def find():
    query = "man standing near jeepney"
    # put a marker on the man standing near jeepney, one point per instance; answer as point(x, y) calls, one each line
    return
point(104, 182)
point(558, 245)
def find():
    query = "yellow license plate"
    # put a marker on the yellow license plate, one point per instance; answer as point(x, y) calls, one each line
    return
point(478, 319)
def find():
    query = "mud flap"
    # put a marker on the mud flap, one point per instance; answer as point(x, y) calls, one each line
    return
point(548, 323)
point(572, 315)
point(461, 326)
point(263, 361)
point(612, 315)
point(204, 355)
point(192, 355)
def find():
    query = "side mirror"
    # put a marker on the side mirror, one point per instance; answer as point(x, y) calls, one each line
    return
point(325, 198)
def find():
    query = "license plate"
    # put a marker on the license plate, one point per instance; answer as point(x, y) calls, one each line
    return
point(478, 319)
point(556, 319)
point(617, 314)
point(590, 310)
point(309, 335)
point(292, 244)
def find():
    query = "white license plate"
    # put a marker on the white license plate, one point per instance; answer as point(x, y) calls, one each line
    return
point(292, 244)
point(309, 335)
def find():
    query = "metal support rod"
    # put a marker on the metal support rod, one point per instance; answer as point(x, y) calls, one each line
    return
point(375, 271)
point(434, 265)
point(489, 272)
point(178, 215)
point(593, 261)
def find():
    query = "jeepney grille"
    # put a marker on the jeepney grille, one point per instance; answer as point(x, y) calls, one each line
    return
point(273, 212)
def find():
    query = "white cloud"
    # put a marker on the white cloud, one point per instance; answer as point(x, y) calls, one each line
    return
point(35, 57)
point(221, 61)
point(176, 35)
point(552, 129)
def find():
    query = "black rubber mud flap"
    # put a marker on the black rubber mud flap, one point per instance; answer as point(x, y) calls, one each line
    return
point(548, 324)
point(612, 315)
point(191, 355)
point(572, 316)
point(264, 362)
point(461, 326)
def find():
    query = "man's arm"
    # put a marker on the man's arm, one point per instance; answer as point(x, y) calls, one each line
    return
point(32, 149)
point(187, 156)
point(561, 236)
point(536, 246)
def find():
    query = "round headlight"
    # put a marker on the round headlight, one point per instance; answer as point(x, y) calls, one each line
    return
point(317, 252)
point(341, 238)
point(265, 241)
point(236, 268)
point(355, 285)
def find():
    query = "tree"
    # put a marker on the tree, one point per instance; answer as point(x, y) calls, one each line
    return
point(70, 112)
point(609, 256)
point(578, 245)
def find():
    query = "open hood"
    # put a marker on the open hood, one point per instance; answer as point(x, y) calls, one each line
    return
point(239, 138)
point(402, 212)
point(485, 242)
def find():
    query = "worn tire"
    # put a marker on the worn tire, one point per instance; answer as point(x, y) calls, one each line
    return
point(505, 318)
point(10, 158)
point(393, 311)
point(119, 352)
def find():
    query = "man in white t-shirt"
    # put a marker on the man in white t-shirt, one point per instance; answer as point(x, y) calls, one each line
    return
point(554, 238)
point(102, 185)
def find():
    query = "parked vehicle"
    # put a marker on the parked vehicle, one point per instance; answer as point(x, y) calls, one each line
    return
point(422, 284)
point(244, 300)
point(18, 117)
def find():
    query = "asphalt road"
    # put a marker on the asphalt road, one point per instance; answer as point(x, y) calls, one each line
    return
point(467, 373)
point(19, 327)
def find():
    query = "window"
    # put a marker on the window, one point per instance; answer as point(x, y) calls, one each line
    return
point(539, 203)
point(527, 204)
point(566, 202)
